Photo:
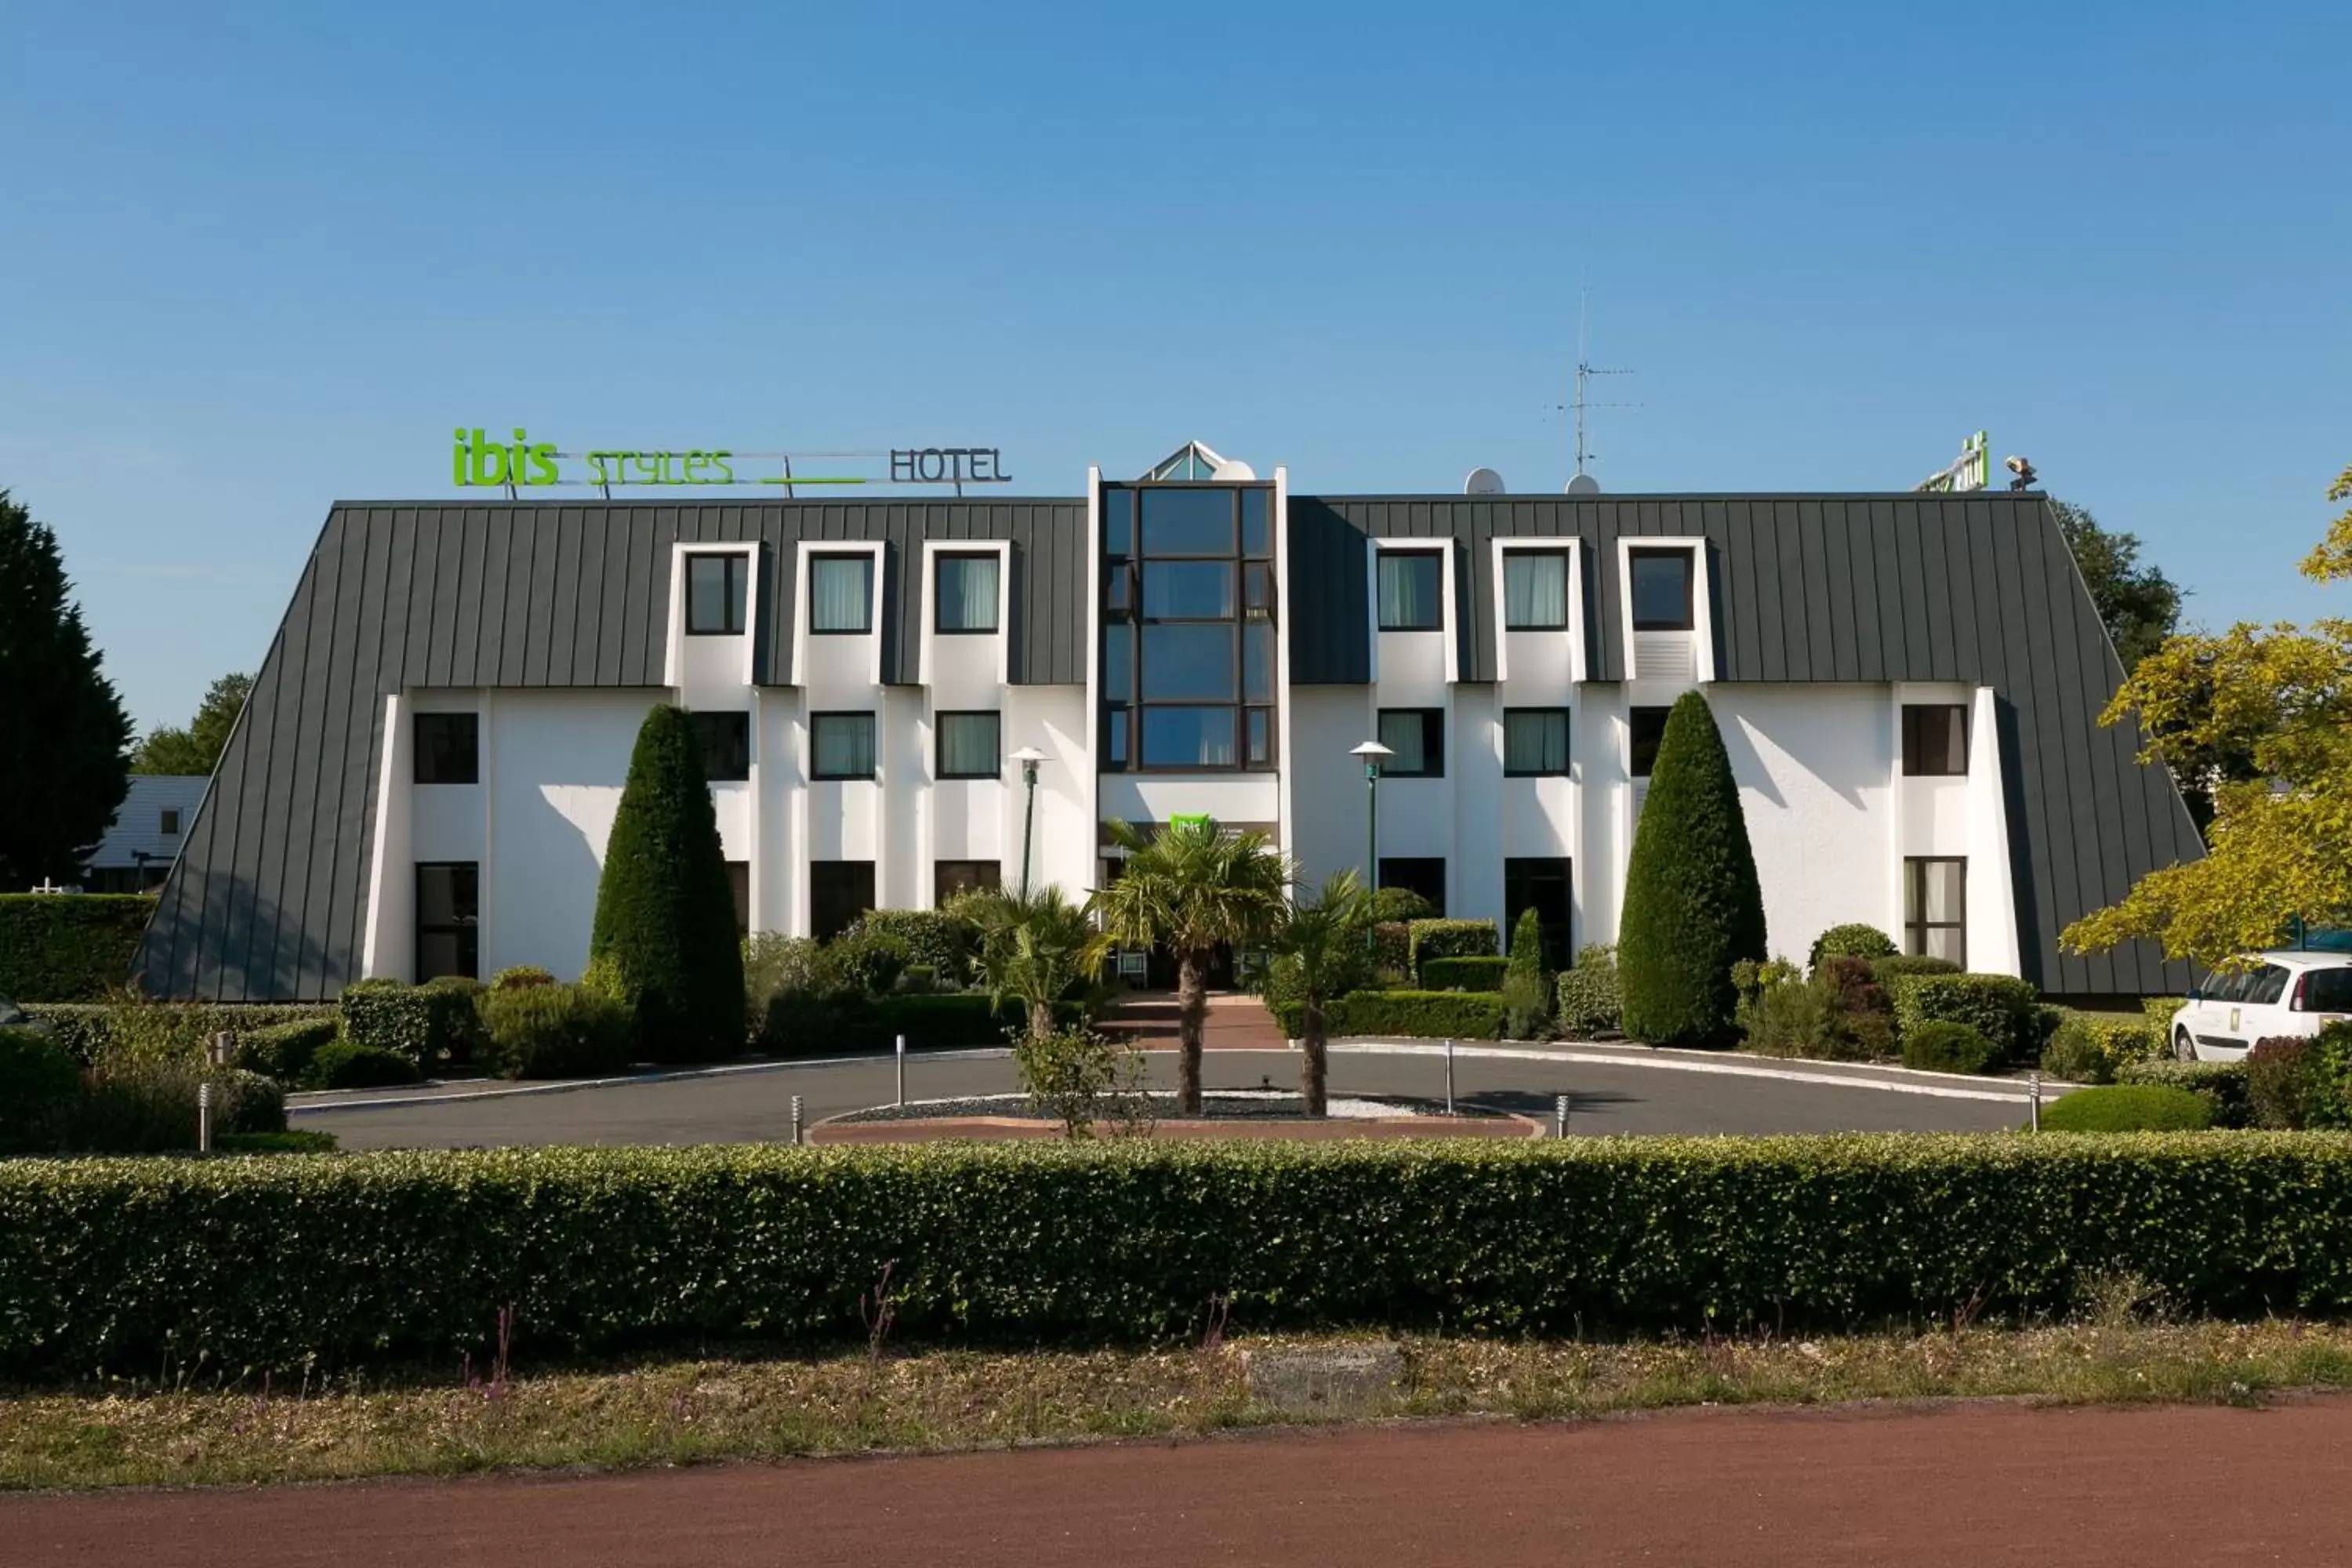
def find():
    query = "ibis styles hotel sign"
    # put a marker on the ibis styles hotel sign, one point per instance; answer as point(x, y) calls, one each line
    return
point(523, 464)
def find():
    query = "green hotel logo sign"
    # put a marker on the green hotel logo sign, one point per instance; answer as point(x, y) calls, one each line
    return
point(523, 464)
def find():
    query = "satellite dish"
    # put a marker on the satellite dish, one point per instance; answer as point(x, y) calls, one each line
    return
point(1483, 483)
point(1233, 470)
point(1584, 485)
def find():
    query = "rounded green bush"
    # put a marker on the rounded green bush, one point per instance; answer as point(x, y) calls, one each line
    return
point(343, 1065)
point(1392, 906)
point(1944, 1047)
point(520, 977)
point(1885, 969)
point(2130, 1108)
point(1854, 941)
point(555, 1031)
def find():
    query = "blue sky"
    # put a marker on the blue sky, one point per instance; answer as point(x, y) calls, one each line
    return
point(262, 258)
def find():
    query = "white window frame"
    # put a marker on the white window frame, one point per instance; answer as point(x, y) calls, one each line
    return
point(1536, 545)
point(1003, 550)
point(803, 615)
point(1446, 627)
point(1702, 628)
point(674, 645)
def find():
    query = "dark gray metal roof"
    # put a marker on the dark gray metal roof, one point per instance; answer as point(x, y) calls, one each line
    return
point(1977, 588)
point(268, 899)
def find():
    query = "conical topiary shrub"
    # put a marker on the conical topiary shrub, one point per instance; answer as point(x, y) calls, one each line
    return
point(665, 938)
point(1693, 908)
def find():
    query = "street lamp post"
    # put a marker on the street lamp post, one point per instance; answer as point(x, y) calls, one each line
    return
point(1028, 757)
point(1374, 753)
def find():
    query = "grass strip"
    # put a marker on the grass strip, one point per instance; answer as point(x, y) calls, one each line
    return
point(689, 1412)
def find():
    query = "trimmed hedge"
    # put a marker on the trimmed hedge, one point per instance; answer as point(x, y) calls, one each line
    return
point(1587, 993)
point(38, 1081)
point(2128, 1108)
point(132, 1107)
point(165, 1030)
point(1945, 1046)
point(1883, 970)
point(68, 947)
point(1392, 947)
point(1426, 940)
point(2221, 1084)
point(799, 1024)
point(1416, 1014)
point(2088, 1047)
point(343, 1064)
point(1851, 941)
point(554, 1031)
point(931, 939)
point(407, 1257)
point(2000, 1007)
point(1463, 974)
point(285, 1051)
point(2159, 1011)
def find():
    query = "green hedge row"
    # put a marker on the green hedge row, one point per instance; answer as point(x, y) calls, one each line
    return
point(178, 1030)
point(1463, 974)
point(1416, 1014)
point(1434, 939)
point(68, 947)
point(799, 1025)
point(245, 1265)
point(2000, 1007)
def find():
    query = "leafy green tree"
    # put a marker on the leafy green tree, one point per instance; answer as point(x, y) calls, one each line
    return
point(664, 940)
point(1319, 948)
point(2140, 605)
point(196, 749)
point(1693, 906)
point(63, 734)
point(1192, 887)
point(1032, 949)
point(2281, 697)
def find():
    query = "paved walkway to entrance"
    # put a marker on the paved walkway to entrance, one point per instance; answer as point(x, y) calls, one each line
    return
point(1237, 1021)
point(1991, 1486)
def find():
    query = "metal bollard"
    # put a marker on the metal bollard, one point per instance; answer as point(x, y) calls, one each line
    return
point(224, 1047)
point(204, 1117)
point(1560, 1117)
point(1449, 1077)
point(2035, 1114)
point(902, 1069)
point(796, 1119)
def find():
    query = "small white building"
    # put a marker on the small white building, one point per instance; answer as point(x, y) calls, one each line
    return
point(1908, 684)
point(143, 840)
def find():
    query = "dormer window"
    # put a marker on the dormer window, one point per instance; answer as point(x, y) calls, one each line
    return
point(717, 590)
point(1411, 591)
point(966, 594)
point(841, 594)
point(1661, 589)
point(1535, 590)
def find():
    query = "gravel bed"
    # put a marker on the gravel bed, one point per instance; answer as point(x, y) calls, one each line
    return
point(1217, 1105)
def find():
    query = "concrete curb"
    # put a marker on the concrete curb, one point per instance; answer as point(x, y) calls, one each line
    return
point(297, 1105)
point(1912, 1081)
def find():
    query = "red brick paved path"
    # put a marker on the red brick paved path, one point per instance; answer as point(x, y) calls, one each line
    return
point(1989, 1485)
point(1237, 1021)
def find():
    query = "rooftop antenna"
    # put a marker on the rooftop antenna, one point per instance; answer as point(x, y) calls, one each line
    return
point(1579, 483)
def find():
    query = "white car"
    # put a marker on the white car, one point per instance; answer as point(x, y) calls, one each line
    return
point(2285, 993)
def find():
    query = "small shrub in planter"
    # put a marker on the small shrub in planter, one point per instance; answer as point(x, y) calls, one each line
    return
point(1884, 970)
point(346, 1063)
point(1463, 974)
point(1998, 1007)
point(1588, 995)
point(520, 976)
point(1945, 1046)
point(2128, 1108)
point(2222, 1085)
point(1850, 942)
point(285, 1051)
point(1434, 939)
point(39, 1080)
point(555, 1031)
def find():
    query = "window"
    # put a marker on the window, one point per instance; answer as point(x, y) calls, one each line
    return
point(965, 597)
point(2325, 991)
point(839, 891)
point(840, 745)
point(726, 744)
point(1422, 875)
point(841, 594)
point(1535, 590)
point(1934, 906)
point(1188, 651)
point(1545, 885)
point(968, 746)
point(1649, 725)
point(716, 589)
point(449, 748)
point(448, 912)
point(169, 827)
point(1535, 742)
point(1417, 736)
point(950, 879)
point(1935, 740)
point(739, 883)
point(1661, 589)
point(2268, 986)
point(1409, 591)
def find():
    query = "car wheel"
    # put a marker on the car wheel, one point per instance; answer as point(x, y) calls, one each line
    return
point(2184, 1049)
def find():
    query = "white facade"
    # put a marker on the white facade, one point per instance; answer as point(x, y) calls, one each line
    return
point(1831, 813)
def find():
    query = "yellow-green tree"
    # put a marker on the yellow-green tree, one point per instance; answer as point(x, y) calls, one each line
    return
point(2282, 695)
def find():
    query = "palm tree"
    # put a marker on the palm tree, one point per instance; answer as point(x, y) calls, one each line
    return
point(1032, 948)
point(1319, 948)
point(1191, 886)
